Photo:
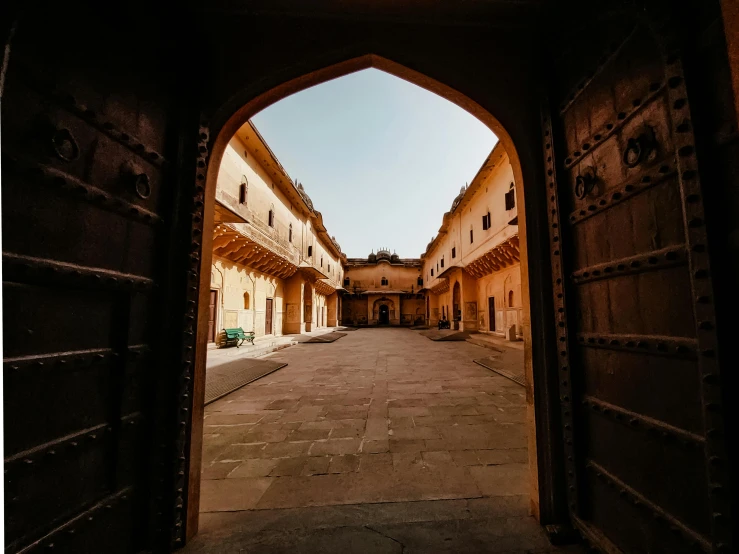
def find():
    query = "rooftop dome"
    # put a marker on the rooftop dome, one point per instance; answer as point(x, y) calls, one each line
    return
point(394, 257)
point(383, 254)
point(459, 197)
point(372, 257)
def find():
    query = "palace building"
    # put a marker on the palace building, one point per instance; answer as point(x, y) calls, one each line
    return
point(383, 289)
point(471, 267)
point(276, 270)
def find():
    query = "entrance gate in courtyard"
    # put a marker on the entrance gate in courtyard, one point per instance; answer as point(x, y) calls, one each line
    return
point(107, 221)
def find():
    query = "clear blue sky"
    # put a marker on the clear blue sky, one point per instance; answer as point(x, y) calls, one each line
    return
point(381, 158)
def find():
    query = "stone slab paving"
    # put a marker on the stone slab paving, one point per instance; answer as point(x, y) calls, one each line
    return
point(369, 441)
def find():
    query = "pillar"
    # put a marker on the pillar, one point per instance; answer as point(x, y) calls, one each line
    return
point(332, 307)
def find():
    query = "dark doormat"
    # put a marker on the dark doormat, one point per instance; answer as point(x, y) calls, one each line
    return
point(494, 363)
point(446, 334)
point(328, 337)
point(226, 378)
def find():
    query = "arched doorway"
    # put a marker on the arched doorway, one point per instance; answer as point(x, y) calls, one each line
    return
point(456, 305)
point(384, 315)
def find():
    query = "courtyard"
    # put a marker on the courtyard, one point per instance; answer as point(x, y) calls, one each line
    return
point(383, 441)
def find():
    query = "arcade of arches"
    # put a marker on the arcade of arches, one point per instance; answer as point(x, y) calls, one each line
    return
point(620, 122)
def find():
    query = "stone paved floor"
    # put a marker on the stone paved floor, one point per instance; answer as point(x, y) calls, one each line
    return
point(383, 441)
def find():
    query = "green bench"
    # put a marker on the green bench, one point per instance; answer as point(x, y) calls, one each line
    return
point(237, 336)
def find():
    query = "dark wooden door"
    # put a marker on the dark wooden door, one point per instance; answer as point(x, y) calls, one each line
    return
point(491, 313)
point(268, 318)
point(88, 120)
point(212, 307)
point(638, 362)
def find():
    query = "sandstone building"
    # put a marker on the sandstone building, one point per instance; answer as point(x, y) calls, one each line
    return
point(472, 268)
point(383, 289)
point(276, 270)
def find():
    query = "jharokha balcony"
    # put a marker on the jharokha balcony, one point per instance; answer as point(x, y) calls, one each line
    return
point(498, 257)
point(244, 244)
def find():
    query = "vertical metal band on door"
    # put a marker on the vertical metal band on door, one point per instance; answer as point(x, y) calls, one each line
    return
point(703, 304)
point(560, 317)
point(184, 397)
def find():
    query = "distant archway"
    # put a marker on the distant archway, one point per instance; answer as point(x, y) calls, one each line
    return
point(228, 118)
point(456, 305)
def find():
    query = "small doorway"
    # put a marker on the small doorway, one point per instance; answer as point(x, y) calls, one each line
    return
point(384, 318)
point(491, 313)
point(456, 305)
point(268, 318)
point(212, 315)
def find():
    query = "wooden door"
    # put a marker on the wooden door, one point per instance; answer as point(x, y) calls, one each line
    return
point(491, 313)
point(638, 365)
point(88, 115)
point(268, 318)
point(212, 313)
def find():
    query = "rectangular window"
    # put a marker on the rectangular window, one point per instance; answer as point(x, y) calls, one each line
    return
point(242, 193)
point(454, 252)
point(486, 222)
point(442, 262)
point(472, 238)
point(271, 218)
point(310, 251)
point(420, 282)
point(510, 200)
point(432, 272)
point(290, 234)
point(346, 281)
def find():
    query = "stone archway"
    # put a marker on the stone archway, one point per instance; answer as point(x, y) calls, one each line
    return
point(227, 121)
point(383, 310)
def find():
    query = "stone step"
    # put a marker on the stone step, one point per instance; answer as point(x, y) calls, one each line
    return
point(494, 342)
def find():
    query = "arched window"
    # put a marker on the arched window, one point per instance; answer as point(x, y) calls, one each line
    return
point(247, 303)
point(290, 233)
point(271, 218)
point(346, 281)
point(510, 298)
point(384, 281)
point(510, 198)
point(243, 189)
